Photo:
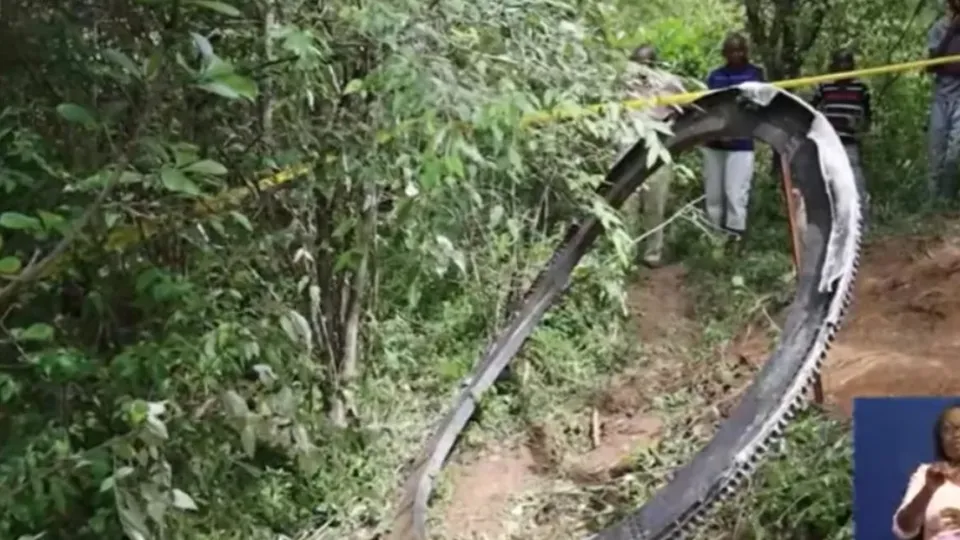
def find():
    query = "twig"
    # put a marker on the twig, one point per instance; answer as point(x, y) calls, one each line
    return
point(770, 319)
point(595, 428)
point(676, 215)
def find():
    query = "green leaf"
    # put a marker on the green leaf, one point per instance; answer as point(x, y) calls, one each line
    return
point(19, 222)
point(133, 522)
point(72, 112)
point(175, 180)
point(235, 404)
point(183, 501)
point(122, 60)
point(309, 461)
point(232, 87)
point(353, 86)
point(152, 65)
point(111, 481)
point(156, 428)
point(111, 218)
point(107, 484)
point(219, 7)
point(137, 411)
point(9, 265)
point(156, 509)
point(242, 220)
point(216, 224)
point(37, 332)
point(215, 68)
point(51, 221)
point(206, 166)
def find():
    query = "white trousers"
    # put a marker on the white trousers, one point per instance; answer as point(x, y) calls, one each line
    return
point(727, 178)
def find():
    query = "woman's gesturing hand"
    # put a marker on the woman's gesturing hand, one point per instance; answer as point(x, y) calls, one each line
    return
point(938, 473)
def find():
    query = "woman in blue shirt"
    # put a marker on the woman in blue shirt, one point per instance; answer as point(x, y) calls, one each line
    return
point(728, 165)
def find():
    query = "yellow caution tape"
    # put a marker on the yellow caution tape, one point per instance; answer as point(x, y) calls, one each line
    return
point(571, 112)
point(126, 236)
point(123, 237)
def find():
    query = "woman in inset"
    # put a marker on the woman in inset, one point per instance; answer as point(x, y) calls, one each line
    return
point(931, 506)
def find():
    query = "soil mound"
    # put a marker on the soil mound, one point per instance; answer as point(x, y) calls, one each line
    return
point(903, 334)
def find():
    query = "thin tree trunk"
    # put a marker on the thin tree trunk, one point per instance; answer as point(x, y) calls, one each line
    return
point(341, 404)
point(265, 103)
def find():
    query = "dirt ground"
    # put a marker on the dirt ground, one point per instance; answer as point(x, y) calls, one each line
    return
point(902, 337)
point(489, 487)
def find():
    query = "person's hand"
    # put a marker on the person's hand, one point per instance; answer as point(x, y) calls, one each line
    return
point(949, 518)
point(937, 474)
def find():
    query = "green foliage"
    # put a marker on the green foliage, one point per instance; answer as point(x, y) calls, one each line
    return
point(268, 368)
point(806, 493)
point(689, 45)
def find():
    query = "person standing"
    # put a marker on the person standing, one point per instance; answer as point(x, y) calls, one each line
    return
point(728, 165)
point(846, 104)
point(944, 131)
point(646, 81)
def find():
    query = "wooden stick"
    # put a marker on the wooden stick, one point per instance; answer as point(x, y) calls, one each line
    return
point(795, 243)
point(787, 185)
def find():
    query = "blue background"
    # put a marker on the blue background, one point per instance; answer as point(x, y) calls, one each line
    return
point(891, 437)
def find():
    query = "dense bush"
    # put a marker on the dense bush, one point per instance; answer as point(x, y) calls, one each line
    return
point(170, 372)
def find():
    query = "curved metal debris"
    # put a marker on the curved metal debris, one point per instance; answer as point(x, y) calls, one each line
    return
point(821, 171)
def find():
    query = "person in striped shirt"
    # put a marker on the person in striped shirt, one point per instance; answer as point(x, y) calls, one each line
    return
point(846, 104)
point(645, 81)
point(728, 165)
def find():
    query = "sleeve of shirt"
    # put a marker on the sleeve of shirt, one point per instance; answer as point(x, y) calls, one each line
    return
point(913, 488)
point(936, 34)
point(760, 74)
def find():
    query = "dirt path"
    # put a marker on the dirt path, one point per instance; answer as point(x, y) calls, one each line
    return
point(489, 489)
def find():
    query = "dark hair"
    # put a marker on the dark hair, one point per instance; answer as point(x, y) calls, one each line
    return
point(738, 38)
point(938, 451)
point(842, 57)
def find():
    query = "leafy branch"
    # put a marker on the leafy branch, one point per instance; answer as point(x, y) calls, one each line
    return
point(122, 156)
